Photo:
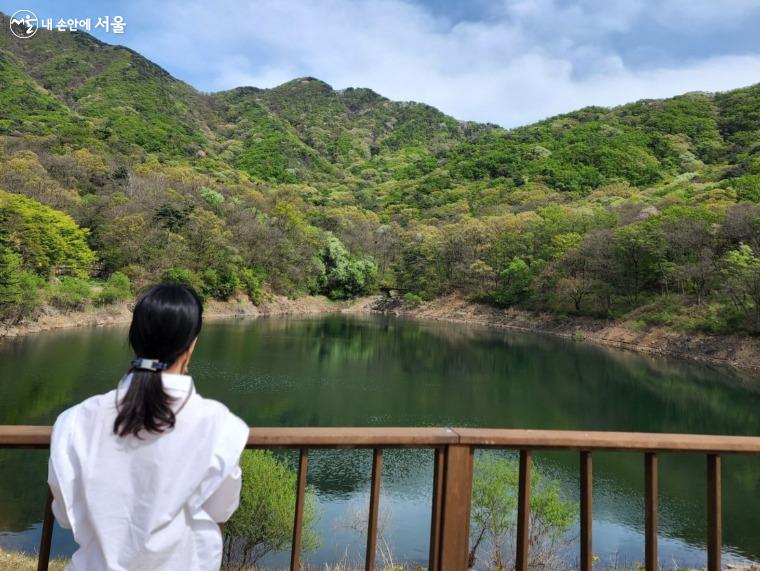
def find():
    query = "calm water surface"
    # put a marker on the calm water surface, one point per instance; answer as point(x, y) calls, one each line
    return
point(373, 371)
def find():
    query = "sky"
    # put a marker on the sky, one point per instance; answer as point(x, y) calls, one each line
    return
point(509, 62)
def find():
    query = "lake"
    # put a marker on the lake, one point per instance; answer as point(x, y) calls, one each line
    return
point(346, 370)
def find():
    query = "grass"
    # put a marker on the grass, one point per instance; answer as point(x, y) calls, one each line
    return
point(16, 561)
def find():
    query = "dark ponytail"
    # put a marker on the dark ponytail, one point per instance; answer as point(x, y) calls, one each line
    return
point(166, 320)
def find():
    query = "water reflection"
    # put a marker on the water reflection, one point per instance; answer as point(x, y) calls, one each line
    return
point(366, 371)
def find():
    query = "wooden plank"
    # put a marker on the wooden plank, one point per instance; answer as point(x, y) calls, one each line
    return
point(523, 512)
point(18, 436)
point(455, 511)
point(295, 547)
point(587, 552)
point(435, 511)
point(650, 512)
point(600, 440)
point(374, 504)
point(350, 437)
point(46, 535)
point(714, 526)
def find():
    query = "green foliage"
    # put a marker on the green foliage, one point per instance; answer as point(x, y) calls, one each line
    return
point(412, 299)
point(186, 277)
point(212, 198)
point(116, 288)
point(628, 212)
point(742, 281)
point(10, 282)
point(494, 512)
point(28, 108)
point(516, 280)
point(43, 237)
point(20, 290)
point(747, 187)
point(264, 521)
point(345, 275)
point(251, 282)
point(71, 293)
point(219, 284)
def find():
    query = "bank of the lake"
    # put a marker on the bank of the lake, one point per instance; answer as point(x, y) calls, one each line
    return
point(737, 351)
point(51, 318)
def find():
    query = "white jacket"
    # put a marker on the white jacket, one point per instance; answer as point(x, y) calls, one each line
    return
point(151, 503)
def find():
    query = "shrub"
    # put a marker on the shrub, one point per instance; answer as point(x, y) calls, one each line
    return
point(747, 187)
point(219, 285)
point(345, 275)
point(71, 293)
point(184, 276)
point(211, 197)
point(32, 289)
point(20, 290)
point(494, 513)
point(516, 280)
point(412, 299)
point(251, 283)
point(10, 286)
point(116, 288)
point(264, 521)
point(43, 237)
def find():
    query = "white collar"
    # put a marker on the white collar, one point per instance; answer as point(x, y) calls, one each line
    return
point(171, 381)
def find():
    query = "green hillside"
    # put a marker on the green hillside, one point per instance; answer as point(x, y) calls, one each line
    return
point(646, 212)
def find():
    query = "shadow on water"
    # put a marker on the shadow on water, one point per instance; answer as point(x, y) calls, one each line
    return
point(374, 371)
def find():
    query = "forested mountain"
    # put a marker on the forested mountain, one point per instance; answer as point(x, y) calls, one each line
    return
point(647, 212)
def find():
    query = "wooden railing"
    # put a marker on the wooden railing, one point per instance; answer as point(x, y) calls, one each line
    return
point(452, 479)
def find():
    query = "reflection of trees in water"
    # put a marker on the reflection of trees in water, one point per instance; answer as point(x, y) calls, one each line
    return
point(23, 487)
point(619, 494)
point(346, 370)
point(40, 375)
point(407, 473)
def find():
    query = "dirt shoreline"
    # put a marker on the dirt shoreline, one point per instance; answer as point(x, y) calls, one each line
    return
point(736, 351)
point(121, 313)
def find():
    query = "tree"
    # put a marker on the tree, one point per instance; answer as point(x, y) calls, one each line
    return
point(264, 521)
point(742, 280)
point(516, 280)
point(43, 237)
point(637, 251)
point(345, 275)
point(494, 513)
point(10, 282)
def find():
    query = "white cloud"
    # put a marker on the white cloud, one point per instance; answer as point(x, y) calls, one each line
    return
point(530, 59)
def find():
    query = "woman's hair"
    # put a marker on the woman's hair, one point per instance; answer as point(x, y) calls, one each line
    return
point(165, 322)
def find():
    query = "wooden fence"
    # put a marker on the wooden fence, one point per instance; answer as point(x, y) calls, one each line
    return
point(452, 479)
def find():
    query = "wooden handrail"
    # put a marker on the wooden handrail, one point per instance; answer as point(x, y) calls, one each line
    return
point(20, 436)
point(611, 441)
point(452, 478)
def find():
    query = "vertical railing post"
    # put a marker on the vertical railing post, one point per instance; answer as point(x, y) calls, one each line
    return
point(455, 509)
point(374, 504)
point(650, 511)
point(295, 548)
point(714, 528)
point(523, 512)
point(435, 511)
point(587, 553)
point(46, 537)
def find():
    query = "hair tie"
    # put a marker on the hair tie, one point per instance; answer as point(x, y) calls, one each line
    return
point(149, 364)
